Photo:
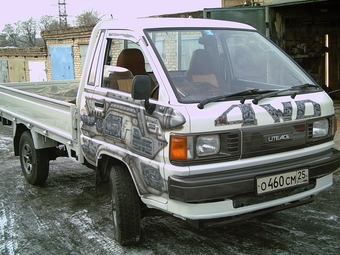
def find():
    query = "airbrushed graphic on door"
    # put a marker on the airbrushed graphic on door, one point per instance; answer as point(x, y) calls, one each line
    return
point(122, 125)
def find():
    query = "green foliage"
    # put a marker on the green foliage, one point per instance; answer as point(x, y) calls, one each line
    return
point(88, 18)
point(24, 33)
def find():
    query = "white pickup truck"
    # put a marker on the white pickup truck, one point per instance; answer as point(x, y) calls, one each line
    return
point(205, 120)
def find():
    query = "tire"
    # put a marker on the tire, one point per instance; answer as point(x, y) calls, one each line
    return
point(34, 163)
point(125, 206)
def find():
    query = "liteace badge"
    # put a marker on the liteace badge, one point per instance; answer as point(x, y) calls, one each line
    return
point(278, 137)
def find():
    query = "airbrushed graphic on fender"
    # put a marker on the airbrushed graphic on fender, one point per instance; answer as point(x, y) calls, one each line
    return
point(249, 116)
point(108, 124)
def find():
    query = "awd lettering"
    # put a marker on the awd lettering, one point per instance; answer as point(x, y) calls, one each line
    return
point(248, 116)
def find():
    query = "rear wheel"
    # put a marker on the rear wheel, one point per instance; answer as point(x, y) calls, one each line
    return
point(34, 163)
point(125, 204)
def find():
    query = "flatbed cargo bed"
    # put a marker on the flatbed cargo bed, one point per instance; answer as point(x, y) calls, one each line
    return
point(47, 107)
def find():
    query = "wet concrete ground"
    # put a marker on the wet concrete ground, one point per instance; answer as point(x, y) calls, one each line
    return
point(69, 216)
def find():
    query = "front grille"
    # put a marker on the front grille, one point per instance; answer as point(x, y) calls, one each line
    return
point(310, 131)
point(231, 144)
point(273, 139)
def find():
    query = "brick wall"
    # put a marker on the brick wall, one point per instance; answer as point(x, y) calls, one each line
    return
point(73, 36)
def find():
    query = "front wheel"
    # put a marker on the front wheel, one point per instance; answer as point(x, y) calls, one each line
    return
point(34, 163)
point(125, 204)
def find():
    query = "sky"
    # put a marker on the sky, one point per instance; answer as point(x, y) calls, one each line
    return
point(15, 10)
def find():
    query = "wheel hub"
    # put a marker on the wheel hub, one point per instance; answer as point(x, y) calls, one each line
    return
point(27, 158)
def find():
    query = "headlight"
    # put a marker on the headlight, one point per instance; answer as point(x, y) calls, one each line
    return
point(182, 147)
point(207, 145)
point(320, 128)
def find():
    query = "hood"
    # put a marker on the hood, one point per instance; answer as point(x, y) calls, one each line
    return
point(219, 116)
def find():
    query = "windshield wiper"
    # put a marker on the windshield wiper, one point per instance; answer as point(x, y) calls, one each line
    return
point(293, 95)
point(305, 86)
point(202, 103)
point(217, 98)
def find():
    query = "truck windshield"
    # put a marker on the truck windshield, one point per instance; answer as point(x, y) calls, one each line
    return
point(202, 63)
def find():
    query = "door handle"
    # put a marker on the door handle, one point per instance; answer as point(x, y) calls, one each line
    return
point(99, 104)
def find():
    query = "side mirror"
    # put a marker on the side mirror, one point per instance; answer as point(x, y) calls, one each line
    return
point(141, 85)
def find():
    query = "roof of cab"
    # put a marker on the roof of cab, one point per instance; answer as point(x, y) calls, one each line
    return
point(154, 23)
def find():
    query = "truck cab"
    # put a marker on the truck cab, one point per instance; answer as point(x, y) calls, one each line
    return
point(209, 120)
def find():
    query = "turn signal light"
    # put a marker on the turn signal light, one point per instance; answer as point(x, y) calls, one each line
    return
point(178, 148)
point(335, 124)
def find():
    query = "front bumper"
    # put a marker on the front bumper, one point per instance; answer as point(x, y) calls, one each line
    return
point(231, 183)
point(222, 210)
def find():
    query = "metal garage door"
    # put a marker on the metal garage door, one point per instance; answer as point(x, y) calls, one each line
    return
point(83, 50)
point(37, 70)
point(4, 77)
point(62, 62)
point(16, 70)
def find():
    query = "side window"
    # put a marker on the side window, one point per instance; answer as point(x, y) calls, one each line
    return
point(123, 60)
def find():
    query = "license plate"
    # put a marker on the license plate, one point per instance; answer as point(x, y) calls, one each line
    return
point(281, 181)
